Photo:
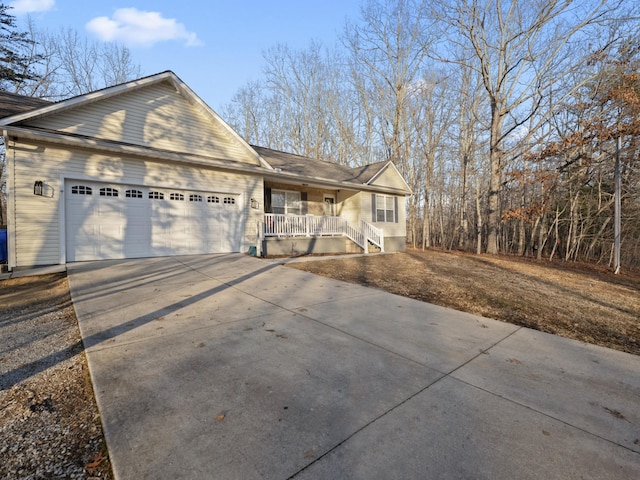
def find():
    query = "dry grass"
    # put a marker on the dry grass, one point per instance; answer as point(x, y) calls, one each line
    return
point(581, 302)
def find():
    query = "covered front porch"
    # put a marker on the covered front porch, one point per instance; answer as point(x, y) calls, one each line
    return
point(284, 234)
point(303, 219)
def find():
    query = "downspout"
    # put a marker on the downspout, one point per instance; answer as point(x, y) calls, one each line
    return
point(10, 186)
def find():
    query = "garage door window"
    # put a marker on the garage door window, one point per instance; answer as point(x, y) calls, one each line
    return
point(213, 199)
point(133, 194)
point(176, 196)
point(156, 195)
point(229, 201)
point(195, 198)
point(108, 192)
point(81, 190)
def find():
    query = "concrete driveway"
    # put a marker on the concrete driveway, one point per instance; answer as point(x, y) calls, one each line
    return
point(232, 367)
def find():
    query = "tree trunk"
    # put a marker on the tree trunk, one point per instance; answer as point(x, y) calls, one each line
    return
point(478, 223)
point(464, 224)
point(542, 236)
point(426, 230)
point(495, 180)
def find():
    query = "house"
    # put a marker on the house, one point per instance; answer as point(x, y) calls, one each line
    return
point(147, 169)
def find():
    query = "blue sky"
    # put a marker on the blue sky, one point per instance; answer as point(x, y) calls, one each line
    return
point(214, 46)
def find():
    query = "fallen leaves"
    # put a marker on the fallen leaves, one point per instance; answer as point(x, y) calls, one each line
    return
point(92, 467)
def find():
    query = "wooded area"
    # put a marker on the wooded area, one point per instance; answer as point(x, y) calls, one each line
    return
point(505, 118)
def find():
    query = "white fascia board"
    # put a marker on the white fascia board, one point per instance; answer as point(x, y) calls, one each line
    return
point(86, 98)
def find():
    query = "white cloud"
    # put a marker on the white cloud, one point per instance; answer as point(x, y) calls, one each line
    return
point(30, 6)
point(135, 27)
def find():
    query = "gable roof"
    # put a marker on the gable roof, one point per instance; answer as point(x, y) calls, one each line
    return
point(298, 166)
point(155, 112)
point(308, 167)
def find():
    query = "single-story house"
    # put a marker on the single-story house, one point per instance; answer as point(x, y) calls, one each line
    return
point(147, 169)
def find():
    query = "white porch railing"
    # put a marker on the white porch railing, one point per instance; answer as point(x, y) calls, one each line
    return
point(372, 234)
point(278, 225)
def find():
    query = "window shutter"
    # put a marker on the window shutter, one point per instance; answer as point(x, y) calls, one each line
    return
point(267, 200)
point(303, 199)
point(373, 208)
point(395, 213)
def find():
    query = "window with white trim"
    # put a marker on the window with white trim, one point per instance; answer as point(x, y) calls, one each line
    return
point(195, 198)
point(213, 199)
point(156, 195)
point(176, 196)
point(285, 202)
point(385, 208)
point(229, 201)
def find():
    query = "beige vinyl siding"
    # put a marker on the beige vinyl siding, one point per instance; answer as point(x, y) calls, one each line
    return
point(349, 206)
point(154, 116)
point(39, 227)
point(37, 221)
point(391, 229)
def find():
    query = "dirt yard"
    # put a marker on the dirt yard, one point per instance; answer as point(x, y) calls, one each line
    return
point(49, 422)
point(582, 302)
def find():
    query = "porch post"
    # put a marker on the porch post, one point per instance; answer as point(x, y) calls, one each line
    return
point(259, 236)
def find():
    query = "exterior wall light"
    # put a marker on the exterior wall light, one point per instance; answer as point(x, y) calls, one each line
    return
point(38, 188)
point(255, 203)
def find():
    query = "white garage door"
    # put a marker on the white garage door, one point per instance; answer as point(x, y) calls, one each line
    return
point(105, 221)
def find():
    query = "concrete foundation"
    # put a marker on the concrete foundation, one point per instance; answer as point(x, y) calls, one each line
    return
point(308, 245)
point(317, 245)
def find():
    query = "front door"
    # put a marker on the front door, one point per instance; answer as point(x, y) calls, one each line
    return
point(330, 205)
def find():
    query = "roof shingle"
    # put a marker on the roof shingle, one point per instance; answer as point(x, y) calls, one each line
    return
point(308, 167)
point(12, 103)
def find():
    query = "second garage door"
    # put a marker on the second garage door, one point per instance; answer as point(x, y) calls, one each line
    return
point(112, 221)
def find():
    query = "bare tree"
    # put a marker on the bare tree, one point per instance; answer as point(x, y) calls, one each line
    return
point(522, 50)
point(430, 112)
point(387, 49)
point(593, 159)
point(68, 64)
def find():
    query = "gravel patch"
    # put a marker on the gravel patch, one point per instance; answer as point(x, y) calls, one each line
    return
point(49, 421)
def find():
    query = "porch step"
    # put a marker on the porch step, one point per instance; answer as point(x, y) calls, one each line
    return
point(374, 248)
point(353, 247)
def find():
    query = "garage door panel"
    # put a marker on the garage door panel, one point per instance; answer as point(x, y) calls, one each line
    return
point(118, 221)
